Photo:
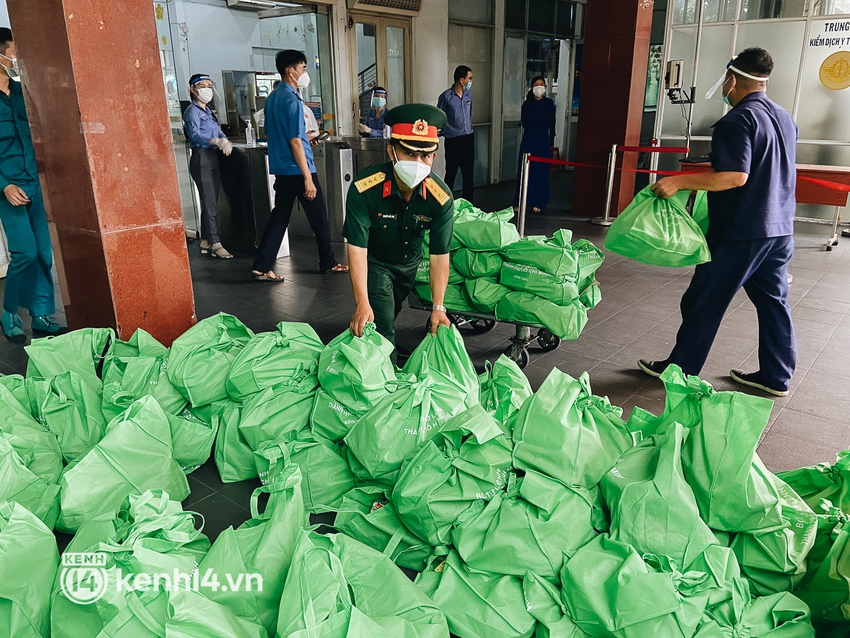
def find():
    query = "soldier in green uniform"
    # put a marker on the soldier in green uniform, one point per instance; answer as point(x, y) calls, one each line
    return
point(390, 207)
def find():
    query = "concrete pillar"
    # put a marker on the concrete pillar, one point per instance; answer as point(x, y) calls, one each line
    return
point(613, 82)
point(95, 98)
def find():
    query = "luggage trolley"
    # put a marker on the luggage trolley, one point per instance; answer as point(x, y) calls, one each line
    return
point(479, 323)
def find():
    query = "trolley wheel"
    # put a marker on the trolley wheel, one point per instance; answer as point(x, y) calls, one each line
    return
point(829, 247)
point(480, 326)
point(546, 340)
point(518, 353)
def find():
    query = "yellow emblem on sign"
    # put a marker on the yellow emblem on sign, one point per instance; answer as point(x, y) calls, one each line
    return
point(420, 127)
point(368, 182)
point(835, 71)
point(160, 12)
point(437, 191)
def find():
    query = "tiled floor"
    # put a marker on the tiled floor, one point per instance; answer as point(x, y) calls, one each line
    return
point(638, 317)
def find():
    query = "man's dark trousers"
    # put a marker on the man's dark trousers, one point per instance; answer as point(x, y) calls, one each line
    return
point(760, 266)
point(286, 189)
point(460, 154)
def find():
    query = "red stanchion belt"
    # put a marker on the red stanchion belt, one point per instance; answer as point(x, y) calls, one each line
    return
point(547, 160)
point(654, 149)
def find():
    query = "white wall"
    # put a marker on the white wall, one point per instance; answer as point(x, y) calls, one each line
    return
point(4, 14)
point(430, 71)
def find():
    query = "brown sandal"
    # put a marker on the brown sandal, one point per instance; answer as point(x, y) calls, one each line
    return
point(269, 276)
point(337, 268)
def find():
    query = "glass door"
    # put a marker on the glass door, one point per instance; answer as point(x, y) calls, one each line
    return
point(381, 46)
point(512, 96)
point(305, 29)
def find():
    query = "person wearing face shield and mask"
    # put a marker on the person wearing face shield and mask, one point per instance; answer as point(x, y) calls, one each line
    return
point(29, 280)
point(291, 162)
point(751, 204)
point(207, 140)
point(389, 208)
point(374, 125)
point(538, 136)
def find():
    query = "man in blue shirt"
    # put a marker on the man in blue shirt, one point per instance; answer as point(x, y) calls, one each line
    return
point(29, 281)
point(751, 204)
point(456, 103)
point(291, 162)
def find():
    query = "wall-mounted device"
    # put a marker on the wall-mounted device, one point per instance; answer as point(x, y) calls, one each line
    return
point(673, 83)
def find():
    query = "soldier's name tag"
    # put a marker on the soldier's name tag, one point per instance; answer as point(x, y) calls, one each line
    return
point(387, 215)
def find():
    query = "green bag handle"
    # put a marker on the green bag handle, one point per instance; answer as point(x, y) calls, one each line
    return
point(309, 613)
point(138, 608)
point(270, 488)
point(393, 543)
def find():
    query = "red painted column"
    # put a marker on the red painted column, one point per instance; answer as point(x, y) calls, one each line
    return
point(613, 82)
point(95, 98)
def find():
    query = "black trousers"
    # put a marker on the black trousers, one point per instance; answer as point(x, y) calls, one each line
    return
point(286, 189)
point(460, 154)
point(203, 167)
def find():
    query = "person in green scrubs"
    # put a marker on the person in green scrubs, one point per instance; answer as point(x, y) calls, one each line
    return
point(29, 281)
point(389, 208)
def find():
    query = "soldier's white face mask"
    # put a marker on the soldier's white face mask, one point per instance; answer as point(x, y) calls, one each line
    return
point(410, 172)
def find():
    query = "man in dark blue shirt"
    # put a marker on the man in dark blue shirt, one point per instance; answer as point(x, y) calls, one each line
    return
point(456, 103)
point(29, 280)
point(291, 162)
point(751, 204)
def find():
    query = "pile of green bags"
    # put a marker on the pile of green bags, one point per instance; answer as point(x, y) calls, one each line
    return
point(660, 231)
point(537, 280)
point(521, 513)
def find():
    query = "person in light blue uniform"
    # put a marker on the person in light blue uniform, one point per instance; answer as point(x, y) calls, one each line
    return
point(29, 280)
point(207, 140)
point(538, 136)
point(374, 124)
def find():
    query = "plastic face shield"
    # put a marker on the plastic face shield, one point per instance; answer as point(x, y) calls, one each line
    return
point(722, 78)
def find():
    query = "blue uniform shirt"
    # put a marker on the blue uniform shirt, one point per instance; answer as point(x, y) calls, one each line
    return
point(757, 137)
point(200, 125)
point(17, 157)
point(376, 123)
point(458, 112)
point(284, 122)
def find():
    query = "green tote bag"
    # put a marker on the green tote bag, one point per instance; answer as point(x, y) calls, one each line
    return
point(657, 231)
point(81, 351)
point(135, 455)
point(263, 545)
point(652, 507)
point(29, 560)
point(566, 432)
point(531, 527)
point(355, 370)
point(271, 358)
point(476, 603)
point(200, 359)
point(504, 388)
point(19, 485)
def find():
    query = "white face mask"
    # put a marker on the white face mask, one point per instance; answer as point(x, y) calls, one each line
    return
point(205, 95)
point(13, 71)
point(539, 91)
point(410, 172)
point(303, 80)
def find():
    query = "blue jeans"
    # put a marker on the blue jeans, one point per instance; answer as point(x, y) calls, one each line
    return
point(760, 266)
point(29, 281)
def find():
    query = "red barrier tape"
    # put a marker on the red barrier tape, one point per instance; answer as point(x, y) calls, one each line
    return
point(547, 160)
point(654, 149)
point(836, 186)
